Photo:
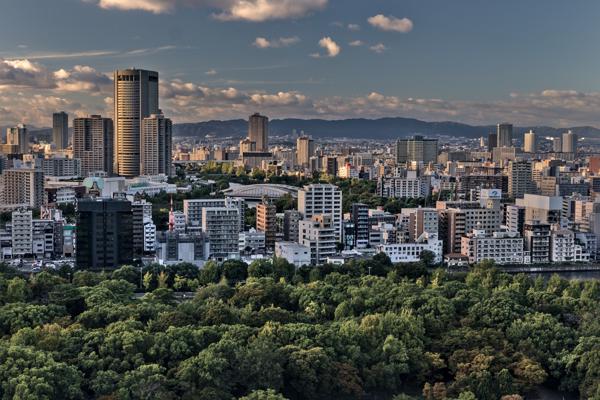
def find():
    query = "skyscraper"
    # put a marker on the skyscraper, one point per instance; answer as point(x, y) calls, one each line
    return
point(505, 135)
point(258, 131)
point(93, 144)
point(135, 98)
point(305, 149)
point(492, 141)
point(416, 149)
point(266, 221)
point(557, 146)
point(530, 142)
point(60, 130)
point(520, 179)
point(156, 145)
point(569, 142)
point(18, 136)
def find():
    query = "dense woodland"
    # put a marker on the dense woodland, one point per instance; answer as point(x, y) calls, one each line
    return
point(365, 330)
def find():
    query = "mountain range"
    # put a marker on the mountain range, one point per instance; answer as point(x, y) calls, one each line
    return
point(384, 128)
point(358, 128)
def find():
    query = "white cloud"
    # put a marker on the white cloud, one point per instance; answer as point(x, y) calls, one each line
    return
point(354, 27)
point(331, 48)
point(378, 48)
point(356, 43)
point(264, 43)
point(211, 72)
point(227, 10)
point(391, 23)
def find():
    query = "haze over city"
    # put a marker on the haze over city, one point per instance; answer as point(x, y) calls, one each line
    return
point(467, 61)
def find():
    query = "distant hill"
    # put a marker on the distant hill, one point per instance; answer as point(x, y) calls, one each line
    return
point(384, 128)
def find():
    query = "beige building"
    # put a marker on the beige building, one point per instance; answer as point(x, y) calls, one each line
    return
point(258, 131)
point(22, 186)
point(93, 144)
point(266, 221)
point(156, 146)
point(305, 149)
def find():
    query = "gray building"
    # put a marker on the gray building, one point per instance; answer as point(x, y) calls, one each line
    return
point(416, 149)
point(60, 130)
point(258, 132)
point(93, 144)
point(505, 135)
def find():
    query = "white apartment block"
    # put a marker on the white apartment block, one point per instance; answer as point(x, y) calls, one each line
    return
point(411, 252)
point(318, 234)
point(221, 227)
point(192, 209)
point(251, 242)
point(22, 233)
point(409, 187)
point(322, 199)
point(62, 167)
point(294, 253)
point(500, 247)
point(563, 247)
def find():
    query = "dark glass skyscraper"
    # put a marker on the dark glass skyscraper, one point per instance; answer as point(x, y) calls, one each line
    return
point(60, 130)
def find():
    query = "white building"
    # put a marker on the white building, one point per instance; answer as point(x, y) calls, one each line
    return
point(411, 252)
point(251, 242)
point(294, 253)
point(221, 227)
point(174, 248)
point(318, 234)
point(409, 187)
point(322, 199)
point(180, 221)
point(22, 233)
point(192, 209)
point(62, 167)
point(149, 235)
point(500, 247)
point(563, 247)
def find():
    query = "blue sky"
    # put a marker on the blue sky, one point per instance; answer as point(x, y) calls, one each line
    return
point(527, 61)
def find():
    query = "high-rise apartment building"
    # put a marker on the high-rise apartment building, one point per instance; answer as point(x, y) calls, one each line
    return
point(104, 234)
point(135, 98)
point(156, 145)
point(417, 149)
point(193, 210)
point(22, 186)
point(93, 144)
point(258, 132)
point(360, 218)
point(22, 233)
point(569, 142)
point(520, 179)
point(322, 199)
point(266, 221)
point(530, 142)
point(291, 225)
point(319, 234)
point(18, 136)
point(60, 130)
point(505, 135)
point(221, 227)
point(557, 146)
point(141, 212)
point(305, 149)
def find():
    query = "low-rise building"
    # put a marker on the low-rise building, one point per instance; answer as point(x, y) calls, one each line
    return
point(411, 252)
point(294, 253)
point(500, 247)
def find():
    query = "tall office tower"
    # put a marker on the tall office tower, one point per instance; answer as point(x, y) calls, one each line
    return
point(93, 144)
point(520, 179)
point(305, 149)
point(60, 130)
point(18, 136)
point(221, 226)
point(156, 145)
point(569, 142)
point(360, 218)
point(291, 225)
point(22, 232)
point(104, 233)
point(258, 131)
point(505, 135)
point(416, 149)
point(135, 98)
point(326, 199)
point(141, 212)
point(557, 146)
point(266, 221)
point(530, 142)
point(23, 185)
point(492, 141)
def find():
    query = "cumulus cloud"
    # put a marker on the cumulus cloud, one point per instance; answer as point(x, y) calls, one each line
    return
point(24, 73)
point(81, 78)
point(356, 43)
point(332, 49)
point(391, 23)
point(227, 10)
point(264, 43)
point(378, 48)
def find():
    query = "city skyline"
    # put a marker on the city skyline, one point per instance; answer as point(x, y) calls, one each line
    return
point(308, 59)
